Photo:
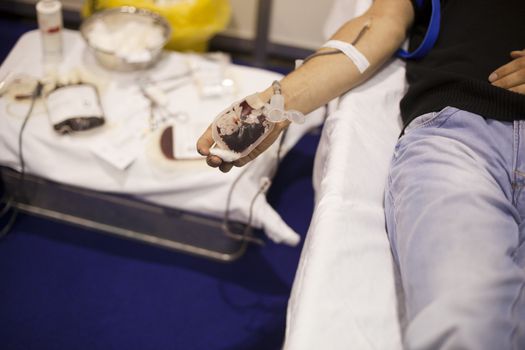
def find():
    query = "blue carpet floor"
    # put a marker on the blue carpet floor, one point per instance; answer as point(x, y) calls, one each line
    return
point(63, 287)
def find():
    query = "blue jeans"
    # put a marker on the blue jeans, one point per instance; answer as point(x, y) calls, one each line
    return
point(455, 212)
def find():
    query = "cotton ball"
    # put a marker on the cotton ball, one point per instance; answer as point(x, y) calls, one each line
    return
point(225, 155)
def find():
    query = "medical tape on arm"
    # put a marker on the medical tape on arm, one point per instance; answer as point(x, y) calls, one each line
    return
point(351, 52)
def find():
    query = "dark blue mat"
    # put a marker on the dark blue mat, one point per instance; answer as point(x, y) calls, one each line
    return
point(68, 288)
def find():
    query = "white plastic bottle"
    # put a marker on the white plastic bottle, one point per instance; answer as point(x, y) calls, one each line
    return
point(49, 16)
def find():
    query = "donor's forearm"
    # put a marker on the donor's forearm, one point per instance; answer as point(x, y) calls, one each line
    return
point(377, 34)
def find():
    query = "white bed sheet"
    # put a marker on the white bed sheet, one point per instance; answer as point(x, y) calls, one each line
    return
point(188, 185)
point(344, 294)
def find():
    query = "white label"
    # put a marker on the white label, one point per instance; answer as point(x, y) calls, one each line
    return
point(73, 101)
point(185, 136)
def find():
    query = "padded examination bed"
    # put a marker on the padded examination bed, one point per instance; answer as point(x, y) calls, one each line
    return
point(344, 294)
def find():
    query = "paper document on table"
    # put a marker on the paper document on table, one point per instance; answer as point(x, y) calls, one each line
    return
point(121, 147)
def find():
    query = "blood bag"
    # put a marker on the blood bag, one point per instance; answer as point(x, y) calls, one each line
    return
point(240, 128)
point(74, 108)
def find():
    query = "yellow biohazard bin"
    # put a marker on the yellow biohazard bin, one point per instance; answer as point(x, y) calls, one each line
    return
point(193, 22)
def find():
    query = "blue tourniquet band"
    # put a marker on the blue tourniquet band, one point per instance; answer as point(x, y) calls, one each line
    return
point(430, 37)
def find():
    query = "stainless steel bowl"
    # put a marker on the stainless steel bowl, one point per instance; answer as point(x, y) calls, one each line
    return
point(115, 19)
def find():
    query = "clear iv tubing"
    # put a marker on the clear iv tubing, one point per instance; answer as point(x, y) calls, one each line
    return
point(247, 232)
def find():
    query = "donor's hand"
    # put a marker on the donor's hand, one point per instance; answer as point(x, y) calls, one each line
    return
point(511, 76)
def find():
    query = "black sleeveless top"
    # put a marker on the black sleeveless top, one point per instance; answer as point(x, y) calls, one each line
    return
point(475, 38)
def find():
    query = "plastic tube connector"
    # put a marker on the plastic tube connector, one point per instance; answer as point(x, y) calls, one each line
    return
point(275, 111)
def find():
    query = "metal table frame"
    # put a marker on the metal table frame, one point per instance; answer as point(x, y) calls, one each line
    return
point(124, 216)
